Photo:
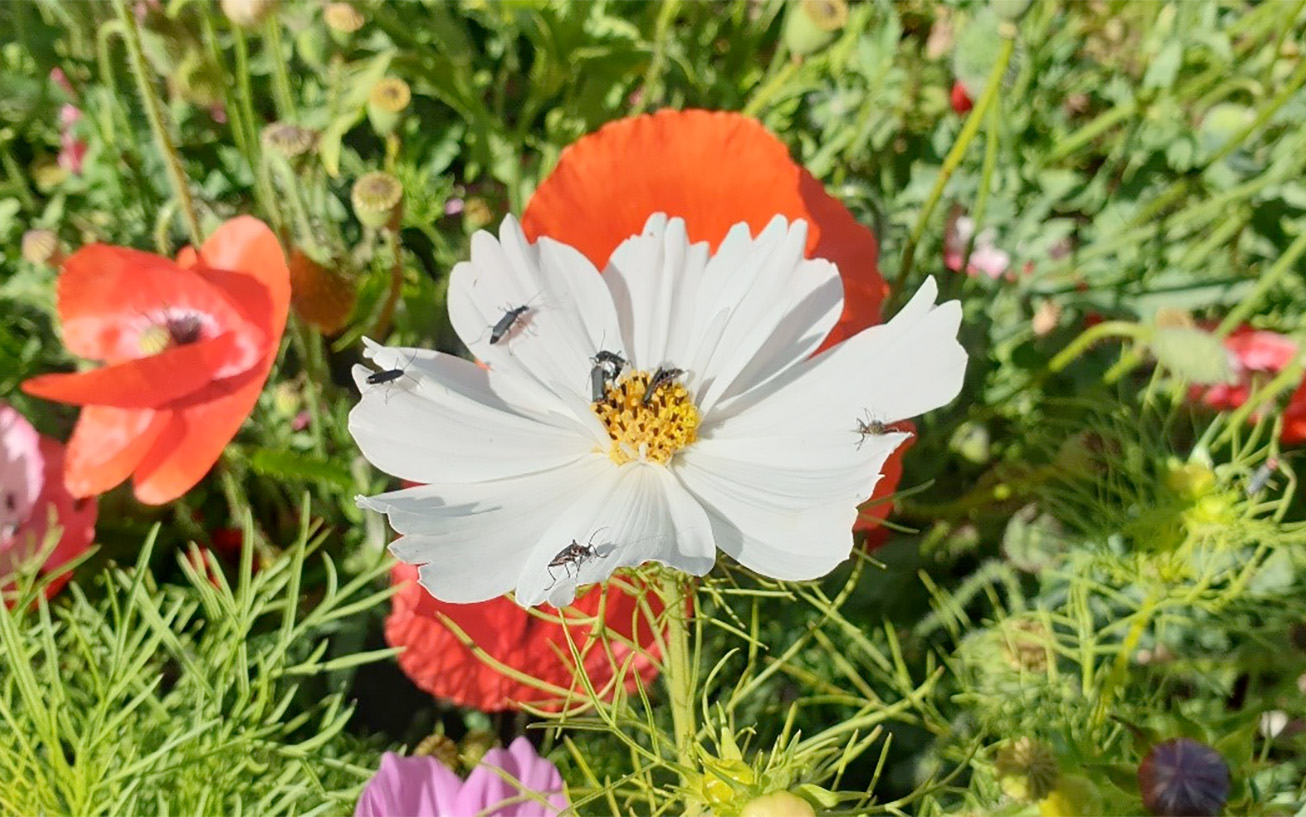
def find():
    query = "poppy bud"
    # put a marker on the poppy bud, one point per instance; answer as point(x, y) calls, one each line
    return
point(441, 747)
point(1027, 769)
point(386, 102)
point(288, 140)
point(41, 247)
point(1193, 354)
point(378, 199)
point(247, 13)
point(1009, 11)
point(343, 20)
point(777, 804)
point(979, 44)
point(810, 25)
point(1183, 778)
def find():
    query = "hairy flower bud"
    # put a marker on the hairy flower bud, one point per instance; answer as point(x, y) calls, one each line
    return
point(475, 744)
point(777, 804)
point(441, 747)
point(247, 13)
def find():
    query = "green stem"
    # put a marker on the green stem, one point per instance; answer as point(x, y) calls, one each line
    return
point(653, 76)
point(280, 77)
point(381, 327)
point(1088, 337)
point(154, 113)
point(1103, 123)
point(772, 86)
point(986, 182)
point(1264, 284)
point(678, 674)
point(950, 162)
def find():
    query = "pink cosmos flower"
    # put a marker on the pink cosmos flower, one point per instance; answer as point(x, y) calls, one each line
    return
point(512, 782)
point(32, 496)
point(985, 257)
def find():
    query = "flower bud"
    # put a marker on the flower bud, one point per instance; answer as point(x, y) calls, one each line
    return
point(1027, 770)
point(288, 140)
point(441, 747)
point(1009, 11)
point(343, 20)
point(247, 13)
point(475, 744)
point(1193, 354)
point(378, 199)
point(810, 25)
point(41, 247)
point(476, 213)
point(1183, 778)
point(777, 804)
point(320, 296)
point(386, 103)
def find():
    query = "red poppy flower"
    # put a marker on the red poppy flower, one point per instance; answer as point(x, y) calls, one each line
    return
point(714, 169)
point(187, 346)
point(32, 496)
point(1257, 355)
point(438, 661)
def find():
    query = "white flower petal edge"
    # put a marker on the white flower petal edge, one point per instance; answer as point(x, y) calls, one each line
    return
point(524, 494)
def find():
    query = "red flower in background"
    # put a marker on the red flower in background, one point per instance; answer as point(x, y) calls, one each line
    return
point(960, 100)
point(714, 169)
point(438, 661)
point(1256, 355)
point(32, 496)
point(187, 347)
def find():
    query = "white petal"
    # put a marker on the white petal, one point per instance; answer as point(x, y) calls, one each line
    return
point(780, 307)
point(447, 420)
point(792, 545)
point(569, 314)
point(653, 278)
point(473, 539)
point(642, 514)
point(903, 368)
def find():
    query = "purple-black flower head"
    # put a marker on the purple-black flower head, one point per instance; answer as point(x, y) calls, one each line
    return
point(1183, 778)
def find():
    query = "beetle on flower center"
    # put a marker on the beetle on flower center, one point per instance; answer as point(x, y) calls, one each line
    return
point(649, 417)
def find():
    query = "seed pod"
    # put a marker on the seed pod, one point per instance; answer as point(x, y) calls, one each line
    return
point(41, 247)
point(1027, 769)
point(811, 25)
point(378, 199)
point(386, 104)
point(343, 20)
point(291, 141)
point(247, 13)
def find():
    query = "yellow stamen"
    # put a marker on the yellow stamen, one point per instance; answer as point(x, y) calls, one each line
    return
point(652, 431)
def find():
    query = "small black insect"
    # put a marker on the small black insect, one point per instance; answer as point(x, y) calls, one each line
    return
point(869, 428)
point(505, 324)
point(377, 378)
point(607, 366)
point(572, 555)
point(661, 378)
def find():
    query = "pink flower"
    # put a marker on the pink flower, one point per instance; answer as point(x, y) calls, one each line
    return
point(512, 782)
point(32, 495)
point(985, 257)
point(71, 149)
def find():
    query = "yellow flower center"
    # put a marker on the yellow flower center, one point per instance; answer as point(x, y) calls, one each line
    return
point(651, 430)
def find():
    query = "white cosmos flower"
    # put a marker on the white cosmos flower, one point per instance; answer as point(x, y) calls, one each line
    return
point(758, 448)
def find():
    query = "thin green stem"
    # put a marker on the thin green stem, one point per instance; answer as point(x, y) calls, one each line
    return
point(154, 113)
point(1088, 337)
point(1103, 123)
point(770, 88)
point(1264, 284)
point(280, 77)
point(679, 671)
point(953, 160)
point(652, 90)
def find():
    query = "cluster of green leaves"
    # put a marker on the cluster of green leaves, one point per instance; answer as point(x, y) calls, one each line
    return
point(196, 698)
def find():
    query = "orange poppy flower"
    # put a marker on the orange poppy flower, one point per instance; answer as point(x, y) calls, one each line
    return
point(714, 169)
point(437, 659)
point(187, 347)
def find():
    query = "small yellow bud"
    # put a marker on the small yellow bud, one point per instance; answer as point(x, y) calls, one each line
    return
point(777, 804)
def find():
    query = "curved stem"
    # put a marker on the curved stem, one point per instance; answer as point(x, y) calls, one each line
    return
point(1088, 337)
point(950, 163)
point(154, 113)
